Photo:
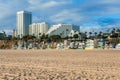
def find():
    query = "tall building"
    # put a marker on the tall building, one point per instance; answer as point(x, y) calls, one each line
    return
point(24, 19)
point(14, 33)
point(62, 29)
point(2, 34)
point(38, 29)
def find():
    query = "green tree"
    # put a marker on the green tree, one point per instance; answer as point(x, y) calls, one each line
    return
point(95, 33)
point(67, 31)
point(80, 34)
point(55, 37)
point(118, 31)
point(90, 33)
point(86, 34)
point(43, 36)
point(75, 36)
point(39, 35)
point(100, 34)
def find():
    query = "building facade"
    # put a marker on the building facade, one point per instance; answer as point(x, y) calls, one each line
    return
point(24, 19)
point(14, 33)
point(2, 35)
point(37, 29)
point(62, 29)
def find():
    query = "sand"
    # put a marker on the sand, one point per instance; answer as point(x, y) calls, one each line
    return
point(59, 65)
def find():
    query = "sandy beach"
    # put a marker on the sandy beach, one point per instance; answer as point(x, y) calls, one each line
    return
point(59, 65)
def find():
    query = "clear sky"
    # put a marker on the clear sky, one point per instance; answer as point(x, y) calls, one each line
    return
point(91, 15)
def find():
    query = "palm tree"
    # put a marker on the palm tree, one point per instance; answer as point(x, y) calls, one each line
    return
point(67, 31)
point(80, 34)
point(60, 34)
point(46, 37)
point(90, 34)
point(118, 31)
point(18, 37)
point(113, 31)
point(21, 36)
point(63, 33)
point(100, 34)
point(33, 34)
point(95, 33)
point(43, 36)
point(39, 35)
point(86, 34)
point(75, 36)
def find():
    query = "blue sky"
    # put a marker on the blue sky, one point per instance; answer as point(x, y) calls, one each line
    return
point(91, 15)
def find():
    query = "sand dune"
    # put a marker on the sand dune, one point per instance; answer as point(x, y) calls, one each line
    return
point(59, 65)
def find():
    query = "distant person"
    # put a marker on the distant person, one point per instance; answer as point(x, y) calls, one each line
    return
point(72, 45)
point(108, 44)
point(83, 45)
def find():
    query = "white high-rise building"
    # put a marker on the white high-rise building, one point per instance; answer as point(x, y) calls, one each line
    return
point(38, 29)
point(62, 29)
point(24, 19)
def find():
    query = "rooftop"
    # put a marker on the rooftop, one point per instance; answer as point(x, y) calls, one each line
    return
point(24, 12)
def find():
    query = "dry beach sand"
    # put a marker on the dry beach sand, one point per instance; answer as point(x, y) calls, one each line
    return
point(59, 65)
